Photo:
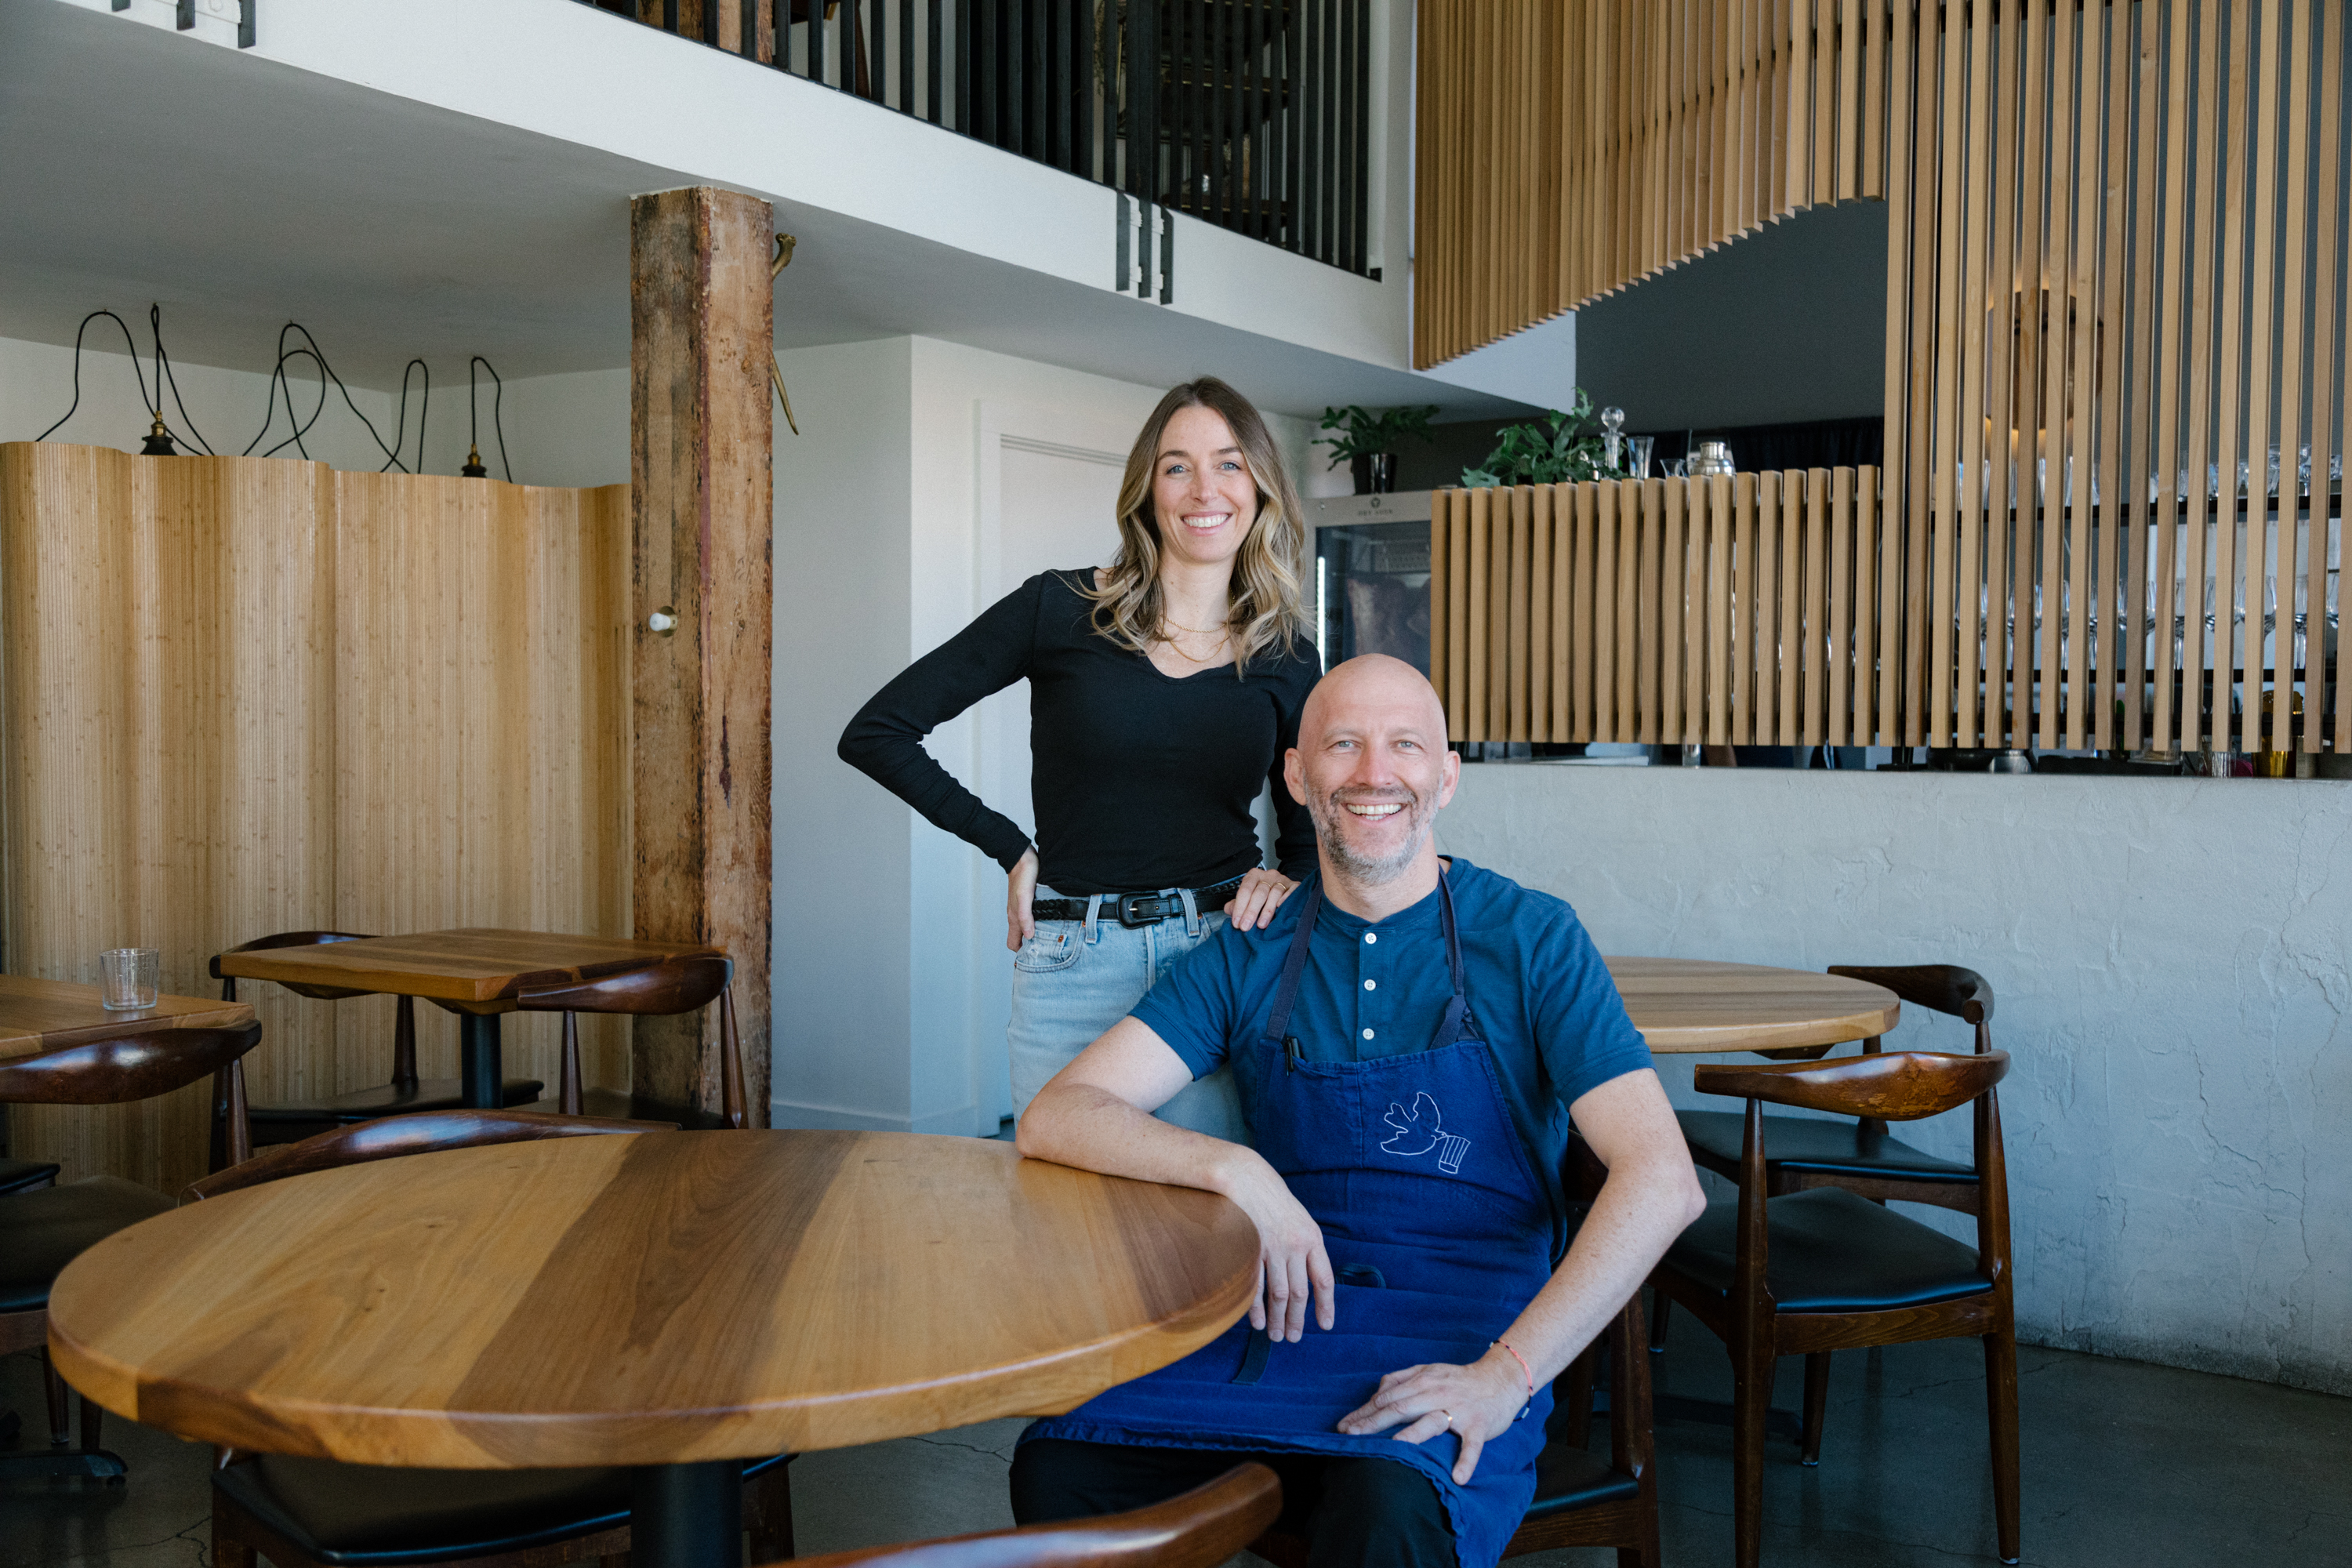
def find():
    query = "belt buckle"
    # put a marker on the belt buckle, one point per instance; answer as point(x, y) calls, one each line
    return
point(1131, 907)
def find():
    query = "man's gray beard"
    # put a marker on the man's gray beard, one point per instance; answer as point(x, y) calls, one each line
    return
point(1370, 873)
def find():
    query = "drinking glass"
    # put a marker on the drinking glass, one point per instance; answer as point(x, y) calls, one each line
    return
point(127, 977)
point(1641, 446)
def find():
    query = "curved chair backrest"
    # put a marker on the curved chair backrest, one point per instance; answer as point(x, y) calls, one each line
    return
point(126, 1068)
point(288, 938)
point(1946, 988)
point(679, 986)
point(396, 1136)
point(1896, 1085)
point(1199, 1530)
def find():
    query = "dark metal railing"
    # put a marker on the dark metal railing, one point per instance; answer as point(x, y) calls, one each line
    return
point(1254, 115)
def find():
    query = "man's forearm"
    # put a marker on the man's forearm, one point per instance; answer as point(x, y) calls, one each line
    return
point(1093, 1129)
point(1641, 1208)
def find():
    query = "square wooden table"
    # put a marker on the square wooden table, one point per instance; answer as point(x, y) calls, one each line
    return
point(39, 1015)
point(478, 973)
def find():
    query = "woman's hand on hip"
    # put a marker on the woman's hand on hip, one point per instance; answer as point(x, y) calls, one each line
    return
point(1020, 892)
point(1476, 1403)
point(1293, 1268)
point(1261, 893)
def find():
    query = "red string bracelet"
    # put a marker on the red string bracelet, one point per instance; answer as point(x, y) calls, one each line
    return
point(1526, 1370)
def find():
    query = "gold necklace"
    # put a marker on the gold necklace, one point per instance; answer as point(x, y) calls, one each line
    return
point(1196, 631)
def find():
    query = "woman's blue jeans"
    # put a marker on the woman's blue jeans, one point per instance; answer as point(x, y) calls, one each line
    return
point(1074, 979)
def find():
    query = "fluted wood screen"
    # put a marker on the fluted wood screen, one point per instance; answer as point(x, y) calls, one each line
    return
point(2119, 287)
point(1564, 152)
point(2118, 284)
point(1736, 610)
point(240, 696)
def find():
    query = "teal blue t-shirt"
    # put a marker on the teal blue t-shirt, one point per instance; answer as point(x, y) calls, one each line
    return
point(1540, 995)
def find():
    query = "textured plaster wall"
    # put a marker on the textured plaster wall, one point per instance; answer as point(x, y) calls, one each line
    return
point(2170, 960)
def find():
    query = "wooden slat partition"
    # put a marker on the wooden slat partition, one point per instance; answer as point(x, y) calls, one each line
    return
point(240, 696)
point(1672, 611)
point(2118, 276)
point(1565, 153)
point(2153, 196)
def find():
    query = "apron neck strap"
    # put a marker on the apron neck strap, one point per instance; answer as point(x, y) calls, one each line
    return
point(1294, 962)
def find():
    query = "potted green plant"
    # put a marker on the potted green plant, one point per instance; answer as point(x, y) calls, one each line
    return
point(1368, 437)
point(1560, 449)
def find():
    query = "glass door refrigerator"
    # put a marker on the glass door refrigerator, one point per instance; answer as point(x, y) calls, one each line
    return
point(1370, 576)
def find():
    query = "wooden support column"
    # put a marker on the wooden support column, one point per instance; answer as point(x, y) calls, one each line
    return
point(700, 441)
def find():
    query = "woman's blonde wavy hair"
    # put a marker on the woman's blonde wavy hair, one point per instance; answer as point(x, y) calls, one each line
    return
point(1264, 606)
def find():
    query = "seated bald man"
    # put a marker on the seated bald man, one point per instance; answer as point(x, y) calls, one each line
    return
point(1411, 1038)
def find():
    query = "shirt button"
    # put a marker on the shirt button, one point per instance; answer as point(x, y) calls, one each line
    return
point(1370, 937)
point(1368, 1033)
point(1372, 985)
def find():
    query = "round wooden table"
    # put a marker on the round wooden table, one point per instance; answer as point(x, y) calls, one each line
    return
point(679, 1301)
point(1690, 1005)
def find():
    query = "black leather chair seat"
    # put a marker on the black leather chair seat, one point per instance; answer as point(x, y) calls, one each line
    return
point(383, 1100)
point(44, 1230)
point(1567, 1479)
point(1808, 1144)
point(1833, 1252)
point(24, 1175)
point(374, 1516)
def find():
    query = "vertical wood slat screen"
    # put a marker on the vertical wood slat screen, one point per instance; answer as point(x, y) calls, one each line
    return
point(1564, 153)
point(1737, 610)
point(2120, 285)
point(240, 696)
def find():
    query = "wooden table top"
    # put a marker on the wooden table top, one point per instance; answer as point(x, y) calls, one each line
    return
point(653, 1299)
point(39, 1015)
point(478, 964)
point(1691, 1004)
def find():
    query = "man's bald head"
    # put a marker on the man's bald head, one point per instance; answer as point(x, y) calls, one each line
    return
point(1371, 681)
point(1372, 768)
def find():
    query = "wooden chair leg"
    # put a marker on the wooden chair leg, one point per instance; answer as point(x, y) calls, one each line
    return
point(1751, 1400)
point(1817, 1402)
point(54, 1386)
point(240, 1124)
point(227, 1551)
point(730, 1062)
point(2000, 1408)
point(570, 1099)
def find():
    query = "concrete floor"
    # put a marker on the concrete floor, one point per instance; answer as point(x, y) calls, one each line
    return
point(2124, 1464)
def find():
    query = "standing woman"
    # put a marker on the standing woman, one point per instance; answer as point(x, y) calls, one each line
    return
point(1164, 691)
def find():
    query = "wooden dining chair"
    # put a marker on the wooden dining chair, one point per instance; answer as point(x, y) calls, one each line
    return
point(1803, 1151)
point(1823, 1268)
point(674, 986)
point(45, 1228)
point(405, 1095)
point(1199, 1530)
point(302, 1512)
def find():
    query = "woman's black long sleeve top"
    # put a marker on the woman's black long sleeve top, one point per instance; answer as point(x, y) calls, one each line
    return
point(1139, 780)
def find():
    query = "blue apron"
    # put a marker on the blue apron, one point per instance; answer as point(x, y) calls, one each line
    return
point(1438, 1234)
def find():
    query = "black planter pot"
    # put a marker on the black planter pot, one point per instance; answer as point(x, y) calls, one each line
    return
point(1374, 473)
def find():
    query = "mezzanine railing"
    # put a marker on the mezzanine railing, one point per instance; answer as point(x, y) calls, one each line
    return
point(1254, 115)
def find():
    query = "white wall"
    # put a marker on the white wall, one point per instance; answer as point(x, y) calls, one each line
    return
point(570, 430)
point(2172, 963)
point(844, 553)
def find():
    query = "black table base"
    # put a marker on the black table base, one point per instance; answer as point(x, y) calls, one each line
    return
point(687, 1516)
point(482, 1070)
